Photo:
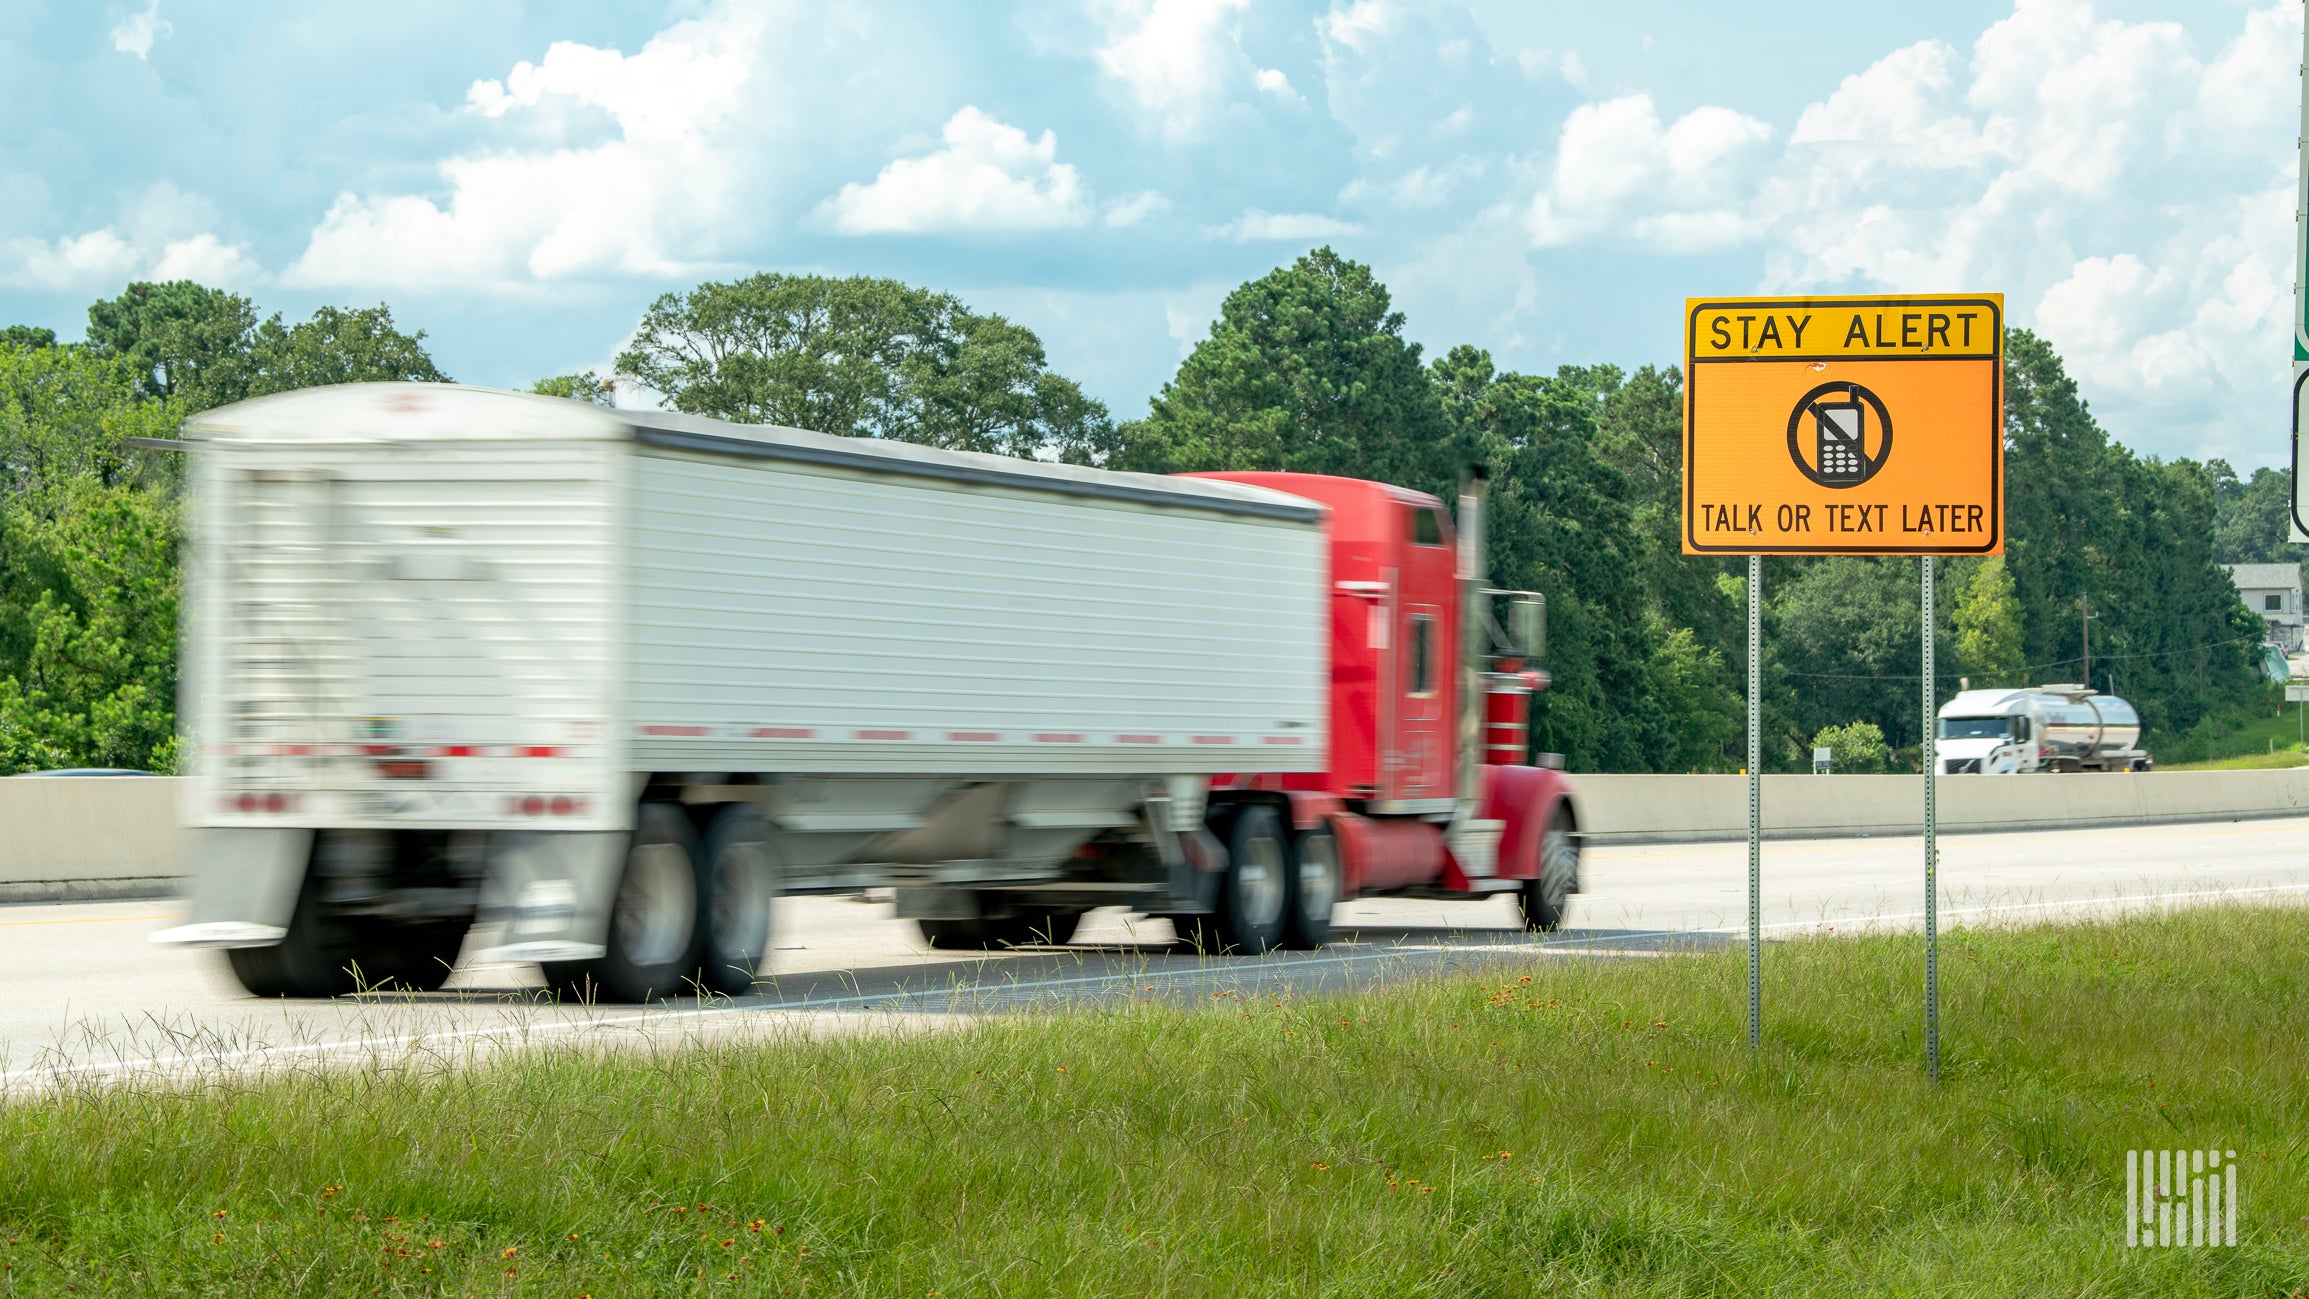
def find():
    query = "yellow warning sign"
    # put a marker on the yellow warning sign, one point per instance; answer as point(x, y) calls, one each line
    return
point(1844, 426)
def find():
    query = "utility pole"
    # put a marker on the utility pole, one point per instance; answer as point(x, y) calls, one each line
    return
point(2087, 622)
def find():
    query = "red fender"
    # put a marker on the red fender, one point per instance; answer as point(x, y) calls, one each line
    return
point(1526, 798)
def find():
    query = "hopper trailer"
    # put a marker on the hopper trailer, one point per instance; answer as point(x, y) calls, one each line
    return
point(610, 683)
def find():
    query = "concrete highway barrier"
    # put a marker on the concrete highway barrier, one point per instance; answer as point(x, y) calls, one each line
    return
point(72, 837)
point(66, 837)
point(1686, 809)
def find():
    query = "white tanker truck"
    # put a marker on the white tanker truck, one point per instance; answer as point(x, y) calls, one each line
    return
point(2047, 728)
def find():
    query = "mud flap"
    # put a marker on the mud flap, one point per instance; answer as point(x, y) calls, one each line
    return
point(244, 887)
point(552, 891)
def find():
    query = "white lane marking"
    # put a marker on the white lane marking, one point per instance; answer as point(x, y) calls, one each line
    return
point(673, 1016)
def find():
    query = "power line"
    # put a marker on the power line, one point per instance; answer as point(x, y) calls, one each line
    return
point(2026, 671)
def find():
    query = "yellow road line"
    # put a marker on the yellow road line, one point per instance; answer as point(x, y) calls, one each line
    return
point(83, 920)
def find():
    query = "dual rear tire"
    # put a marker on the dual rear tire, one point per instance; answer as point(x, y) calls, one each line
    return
point(1277, 891)
point(688, 915)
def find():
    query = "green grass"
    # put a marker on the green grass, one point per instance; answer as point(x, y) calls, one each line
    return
point(2290, 755)
point(1558, 1126)
point(2241, 733)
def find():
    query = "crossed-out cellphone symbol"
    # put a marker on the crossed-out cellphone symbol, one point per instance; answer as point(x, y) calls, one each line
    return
point(1840, 415)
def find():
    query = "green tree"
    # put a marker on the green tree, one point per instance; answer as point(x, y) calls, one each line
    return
point(1305, 370)
point(2251, 516)
point(1856, 748)
point(587, 387)
point(1705, 719)
point(338, 345)
point(1988, 627)
point(863, 357)
point(94, 680)
point(27, 338)
point(199, 347)
point(64, 414)
point(1843, 642)
point(185, 341)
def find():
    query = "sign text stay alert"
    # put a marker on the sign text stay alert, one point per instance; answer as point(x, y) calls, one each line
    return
point(1844, 426)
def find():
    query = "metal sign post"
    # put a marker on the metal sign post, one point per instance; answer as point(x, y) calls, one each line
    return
point(1755, 803)
point(2297, 524)
point(1931, 844)
point(1846, 425)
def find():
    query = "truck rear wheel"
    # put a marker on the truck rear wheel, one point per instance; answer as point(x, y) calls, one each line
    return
point(1315, 889)
point(1255, 891)
point(653, 923)
point(742, 879)
point(1547, 898)
point(314, 959)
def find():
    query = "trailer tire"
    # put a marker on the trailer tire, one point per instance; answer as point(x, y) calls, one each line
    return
point(1254, 891)
point(1546, 898)
point(1315, 888)
point(742, 877)
point(314, 959)
point(653, 927)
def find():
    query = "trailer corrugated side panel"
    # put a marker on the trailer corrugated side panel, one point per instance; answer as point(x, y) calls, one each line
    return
point(796, 616)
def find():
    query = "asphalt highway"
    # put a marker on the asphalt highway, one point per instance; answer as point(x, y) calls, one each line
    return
point(83, 994)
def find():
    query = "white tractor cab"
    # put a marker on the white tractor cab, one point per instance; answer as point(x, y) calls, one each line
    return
point(2047, 728)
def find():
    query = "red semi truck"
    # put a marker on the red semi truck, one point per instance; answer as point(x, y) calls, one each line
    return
point(608, 683)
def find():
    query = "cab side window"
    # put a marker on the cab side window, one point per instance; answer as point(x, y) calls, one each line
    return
point(1426, 526)
point(1422, 654)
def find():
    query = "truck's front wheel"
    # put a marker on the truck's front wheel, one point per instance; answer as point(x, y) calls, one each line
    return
point(653, 923)
point(1547, 899)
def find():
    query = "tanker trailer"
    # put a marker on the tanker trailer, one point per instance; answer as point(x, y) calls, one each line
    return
point(2051, 728)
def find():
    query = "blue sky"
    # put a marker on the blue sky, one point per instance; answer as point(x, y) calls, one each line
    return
point(1547, 181)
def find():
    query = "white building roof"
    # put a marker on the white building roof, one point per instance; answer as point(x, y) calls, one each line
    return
point(2265, 576)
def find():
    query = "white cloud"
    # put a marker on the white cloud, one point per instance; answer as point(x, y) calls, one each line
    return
point(164, 233)
point(1272, 81)
point(1420, 187)
point(1359, 25)
point(98, 259)
point(1255, 225)
point(1619, 174)
point(208, 260)
point(2092, 170)
point(1131, 209)
point(135, 33)
point(643, 202)
point(989, 177)
point(102, 260)
point(2126, 189)
point(1175, 58)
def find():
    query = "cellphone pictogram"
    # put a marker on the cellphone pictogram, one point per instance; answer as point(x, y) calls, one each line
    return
point(1847, 430)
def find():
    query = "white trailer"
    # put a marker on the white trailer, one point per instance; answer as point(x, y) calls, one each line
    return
point(2051, 728)
point(612, 680)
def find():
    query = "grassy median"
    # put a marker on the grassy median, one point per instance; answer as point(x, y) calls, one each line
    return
point(1553, 1127)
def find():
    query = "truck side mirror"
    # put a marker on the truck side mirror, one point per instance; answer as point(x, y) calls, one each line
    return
point(1527, 624)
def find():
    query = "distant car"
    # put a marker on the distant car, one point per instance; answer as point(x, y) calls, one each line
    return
point(86, 771)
